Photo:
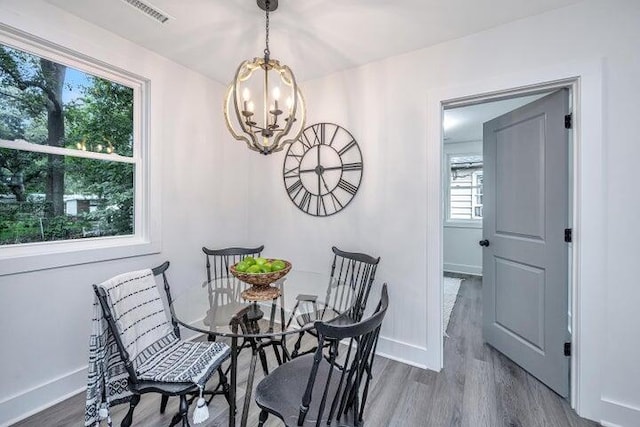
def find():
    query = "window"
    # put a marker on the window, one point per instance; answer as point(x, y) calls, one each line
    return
point(66, 142)
point(73, 159)
point(465, 187)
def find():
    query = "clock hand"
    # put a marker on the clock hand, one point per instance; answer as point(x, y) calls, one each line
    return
point(325, 183)
point(333, 168)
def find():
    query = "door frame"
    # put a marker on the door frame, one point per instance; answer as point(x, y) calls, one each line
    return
point(587, 188)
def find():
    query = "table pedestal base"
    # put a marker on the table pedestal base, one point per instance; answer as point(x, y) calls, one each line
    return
point(261, 293)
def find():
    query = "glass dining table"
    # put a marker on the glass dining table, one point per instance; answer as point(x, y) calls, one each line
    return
point(216, 308)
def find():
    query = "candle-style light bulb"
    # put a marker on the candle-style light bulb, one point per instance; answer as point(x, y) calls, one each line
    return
point(250, 106)
point(272, 109)
point(276, 97)
point(245, 97)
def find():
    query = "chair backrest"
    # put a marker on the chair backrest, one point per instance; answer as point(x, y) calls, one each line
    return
point(247, 319)
point(219, 260)
point(161, 270)
point(354, 273)
point(135, 314)
point(347, 396)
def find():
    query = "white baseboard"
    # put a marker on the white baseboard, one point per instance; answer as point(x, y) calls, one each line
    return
point(473, 270)
point(38, 398)
point(402, 352)
point(618, 414)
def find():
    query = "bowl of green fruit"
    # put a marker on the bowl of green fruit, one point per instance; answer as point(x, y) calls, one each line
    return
point(260, 273)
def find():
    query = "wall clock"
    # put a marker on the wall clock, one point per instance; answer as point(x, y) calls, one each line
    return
point(322, 169)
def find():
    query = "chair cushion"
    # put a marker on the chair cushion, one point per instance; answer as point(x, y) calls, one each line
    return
point(281, 392)
point(138, 310)
point(181, 361)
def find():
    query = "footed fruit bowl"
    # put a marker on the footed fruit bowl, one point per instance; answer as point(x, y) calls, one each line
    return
point(261, 289)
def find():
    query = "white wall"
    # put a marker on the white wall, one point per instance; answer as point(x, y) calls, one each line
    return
point(384, 105)
point(45, 315)
point(461, 251)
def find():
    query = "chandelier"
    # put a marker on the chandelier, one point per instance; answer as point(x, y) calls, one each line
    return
point(253, 107)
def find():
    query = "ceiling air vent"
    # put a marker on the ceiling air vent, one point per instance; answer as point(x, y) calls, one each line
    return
point(149, 10)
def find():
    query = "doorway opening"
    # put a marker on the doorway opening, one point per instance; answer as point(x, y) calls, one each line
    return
point(507, 206)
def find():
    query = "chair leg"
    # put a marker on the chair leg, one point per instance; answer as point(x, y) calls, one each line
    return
point(263, 361)
point(184, 409)
point(277, 353)
point(128, 419)
point(176, 419)
point(182, 414)
point(296, 347)
point(263, 417)
point(247, 396)
point(225, 385)
point(163, 403)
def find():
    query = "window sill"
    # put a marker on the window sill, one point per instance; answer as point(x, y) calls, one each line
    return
point(463, 223)
point(44, 256)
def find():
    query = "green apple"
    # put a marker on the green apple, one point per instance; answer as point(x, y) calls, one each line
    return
point(267, 265)
point(253, 269)
point(249, 260)
point(261, 261)
point(278, 265)
point(242, 266)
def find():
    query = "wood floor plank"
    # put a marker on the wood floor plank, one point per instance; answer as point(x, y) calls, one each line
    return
point(385, 396)
point(477, 387)
point(479, 399)
point(411, 408)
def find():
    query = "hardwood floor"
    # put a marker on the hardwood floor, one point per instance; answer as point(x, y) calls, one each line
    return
point(478, 387)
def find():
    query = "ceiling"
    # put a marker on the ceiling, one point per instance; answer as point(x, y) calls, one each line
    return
point(464, 124)
point(313, 37)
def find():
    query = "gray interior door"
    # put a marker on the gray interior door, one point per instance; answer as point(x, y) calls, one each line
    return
point(525, 265)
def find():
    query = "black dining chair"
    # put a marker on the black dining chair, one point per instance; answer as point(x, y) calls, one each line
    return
point(228, 292)
point(352, 275)
point(224, 290)
point(219, 260)
point(151, 369)
point(317, 390)
point(225, 293)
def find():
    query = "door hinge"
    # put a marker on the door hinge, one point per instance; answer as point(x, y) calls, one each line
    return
point(568, 121)
point(567, 349)
point(568, 235)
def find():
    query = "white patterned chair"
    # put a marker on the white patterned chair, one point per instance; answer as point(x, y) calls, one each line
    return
point(139, 351)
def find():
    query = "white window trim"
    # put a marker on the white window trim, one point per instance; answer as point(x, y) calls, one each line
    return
point(147, 238)
point(446, 180)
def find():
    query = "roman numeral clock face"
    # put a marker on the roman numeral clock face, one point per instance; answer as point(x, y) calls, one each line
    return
point(323, 169)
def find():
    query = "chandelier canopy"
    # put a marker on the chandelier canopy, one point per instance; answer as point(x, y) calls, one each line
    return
point(253, 107)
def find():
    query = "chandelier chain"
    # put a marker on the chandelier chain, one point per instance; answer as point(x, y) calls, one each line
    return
point(266, 40)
